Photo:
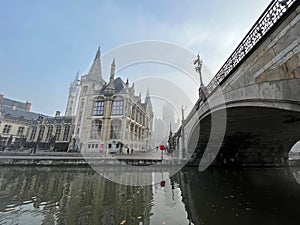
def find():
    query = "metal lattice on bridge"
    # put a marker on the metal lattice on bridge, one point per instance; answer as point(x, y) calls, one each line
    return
point(274, 12)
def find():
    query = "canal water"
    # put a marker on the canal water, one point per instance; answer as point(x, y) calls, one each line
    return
point(61, 195)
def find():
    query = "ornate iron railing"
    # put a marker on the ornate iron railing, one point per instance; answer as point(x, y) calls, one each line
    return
point(266, 21)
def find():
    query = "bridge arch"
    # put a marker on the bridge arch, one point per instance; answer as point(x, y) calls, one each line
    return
point(254, 135)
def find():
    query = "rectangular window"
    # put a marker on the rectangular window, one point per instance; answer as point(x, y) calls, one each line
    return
point(57, 132)
point(41, 133)
point(85, 88)
point(33, 132)
point(96, 129)
point(20, 130)
point(49, 133)
point(98, 108)
point(6, 129)
point(115, 131)
point(66, 132)
point(117, 108)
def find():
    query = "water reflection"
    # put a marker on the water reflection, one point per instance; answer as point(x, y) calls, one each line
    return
point(32, 195)
point(245, 196)
point(69, 196)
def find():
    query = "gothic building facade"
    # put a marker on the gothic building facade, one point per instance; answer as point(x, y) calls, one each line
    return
point(109, 116)
point(100, 117)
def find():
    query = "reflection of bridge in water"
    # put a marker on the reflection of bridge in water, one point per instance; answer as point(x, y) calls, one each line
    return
point(245, 196)
point(256, 94)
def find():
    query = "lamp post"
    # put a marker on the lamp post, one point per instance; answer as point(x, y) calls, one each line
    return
point(198, 66)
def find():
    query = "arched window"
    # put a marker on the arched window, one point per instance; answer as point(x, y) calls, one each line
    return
point(116, 129)
point(96, 129)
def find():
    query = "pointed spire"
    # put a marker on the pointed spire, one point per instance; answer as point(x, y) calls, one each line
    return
point(77, 76)
point(127, 82)
point(147, 99)
point(112, 71)
point(95, 70)
point(98, 53)
point(111, 88)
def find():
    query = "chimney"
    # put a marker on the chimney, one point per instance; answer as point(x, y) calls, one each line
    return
point(57, 114)
point(28, 106)
point(14, 107)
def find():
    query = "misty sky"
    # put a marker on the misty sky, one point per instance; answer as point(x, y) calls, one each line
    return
point(44, 43)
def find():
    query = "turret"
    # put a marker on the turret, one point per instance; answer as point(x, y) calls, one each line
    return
point(110, 88)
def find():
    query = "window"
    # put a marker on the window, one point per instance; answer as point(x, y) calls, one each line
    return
point(117, 108)
point(33, 132)
point(41, 132)
point(96, 129)
point(6, 129)
point(98, 108)
point(20, 130)
point(115, 131)
point(57, 132)
point(85, 88)
point(49, 133)
point(66, 132)
point(133, 113)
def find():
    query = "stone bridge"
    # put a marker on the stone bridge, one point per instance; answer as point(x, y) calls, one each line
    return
point(251, 110)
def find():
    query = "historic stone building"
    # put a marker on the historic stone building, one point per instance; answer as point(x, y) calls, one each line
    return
point(100, 117)
point(15, 121)
point(22, 129)
point(51, 133)
point(109, 115)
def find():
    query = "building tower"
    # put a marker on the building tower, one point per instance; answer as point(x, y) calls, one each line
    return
point(73, 96)
point(89, 83)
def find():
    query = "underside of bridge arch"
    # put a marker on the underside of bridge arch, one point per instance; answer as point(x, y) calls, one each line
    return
point(254, 136)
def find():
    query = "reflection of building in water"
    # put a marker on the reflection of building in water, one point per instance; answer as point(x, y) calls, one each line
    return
point(109, 115)
point(83, 197)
